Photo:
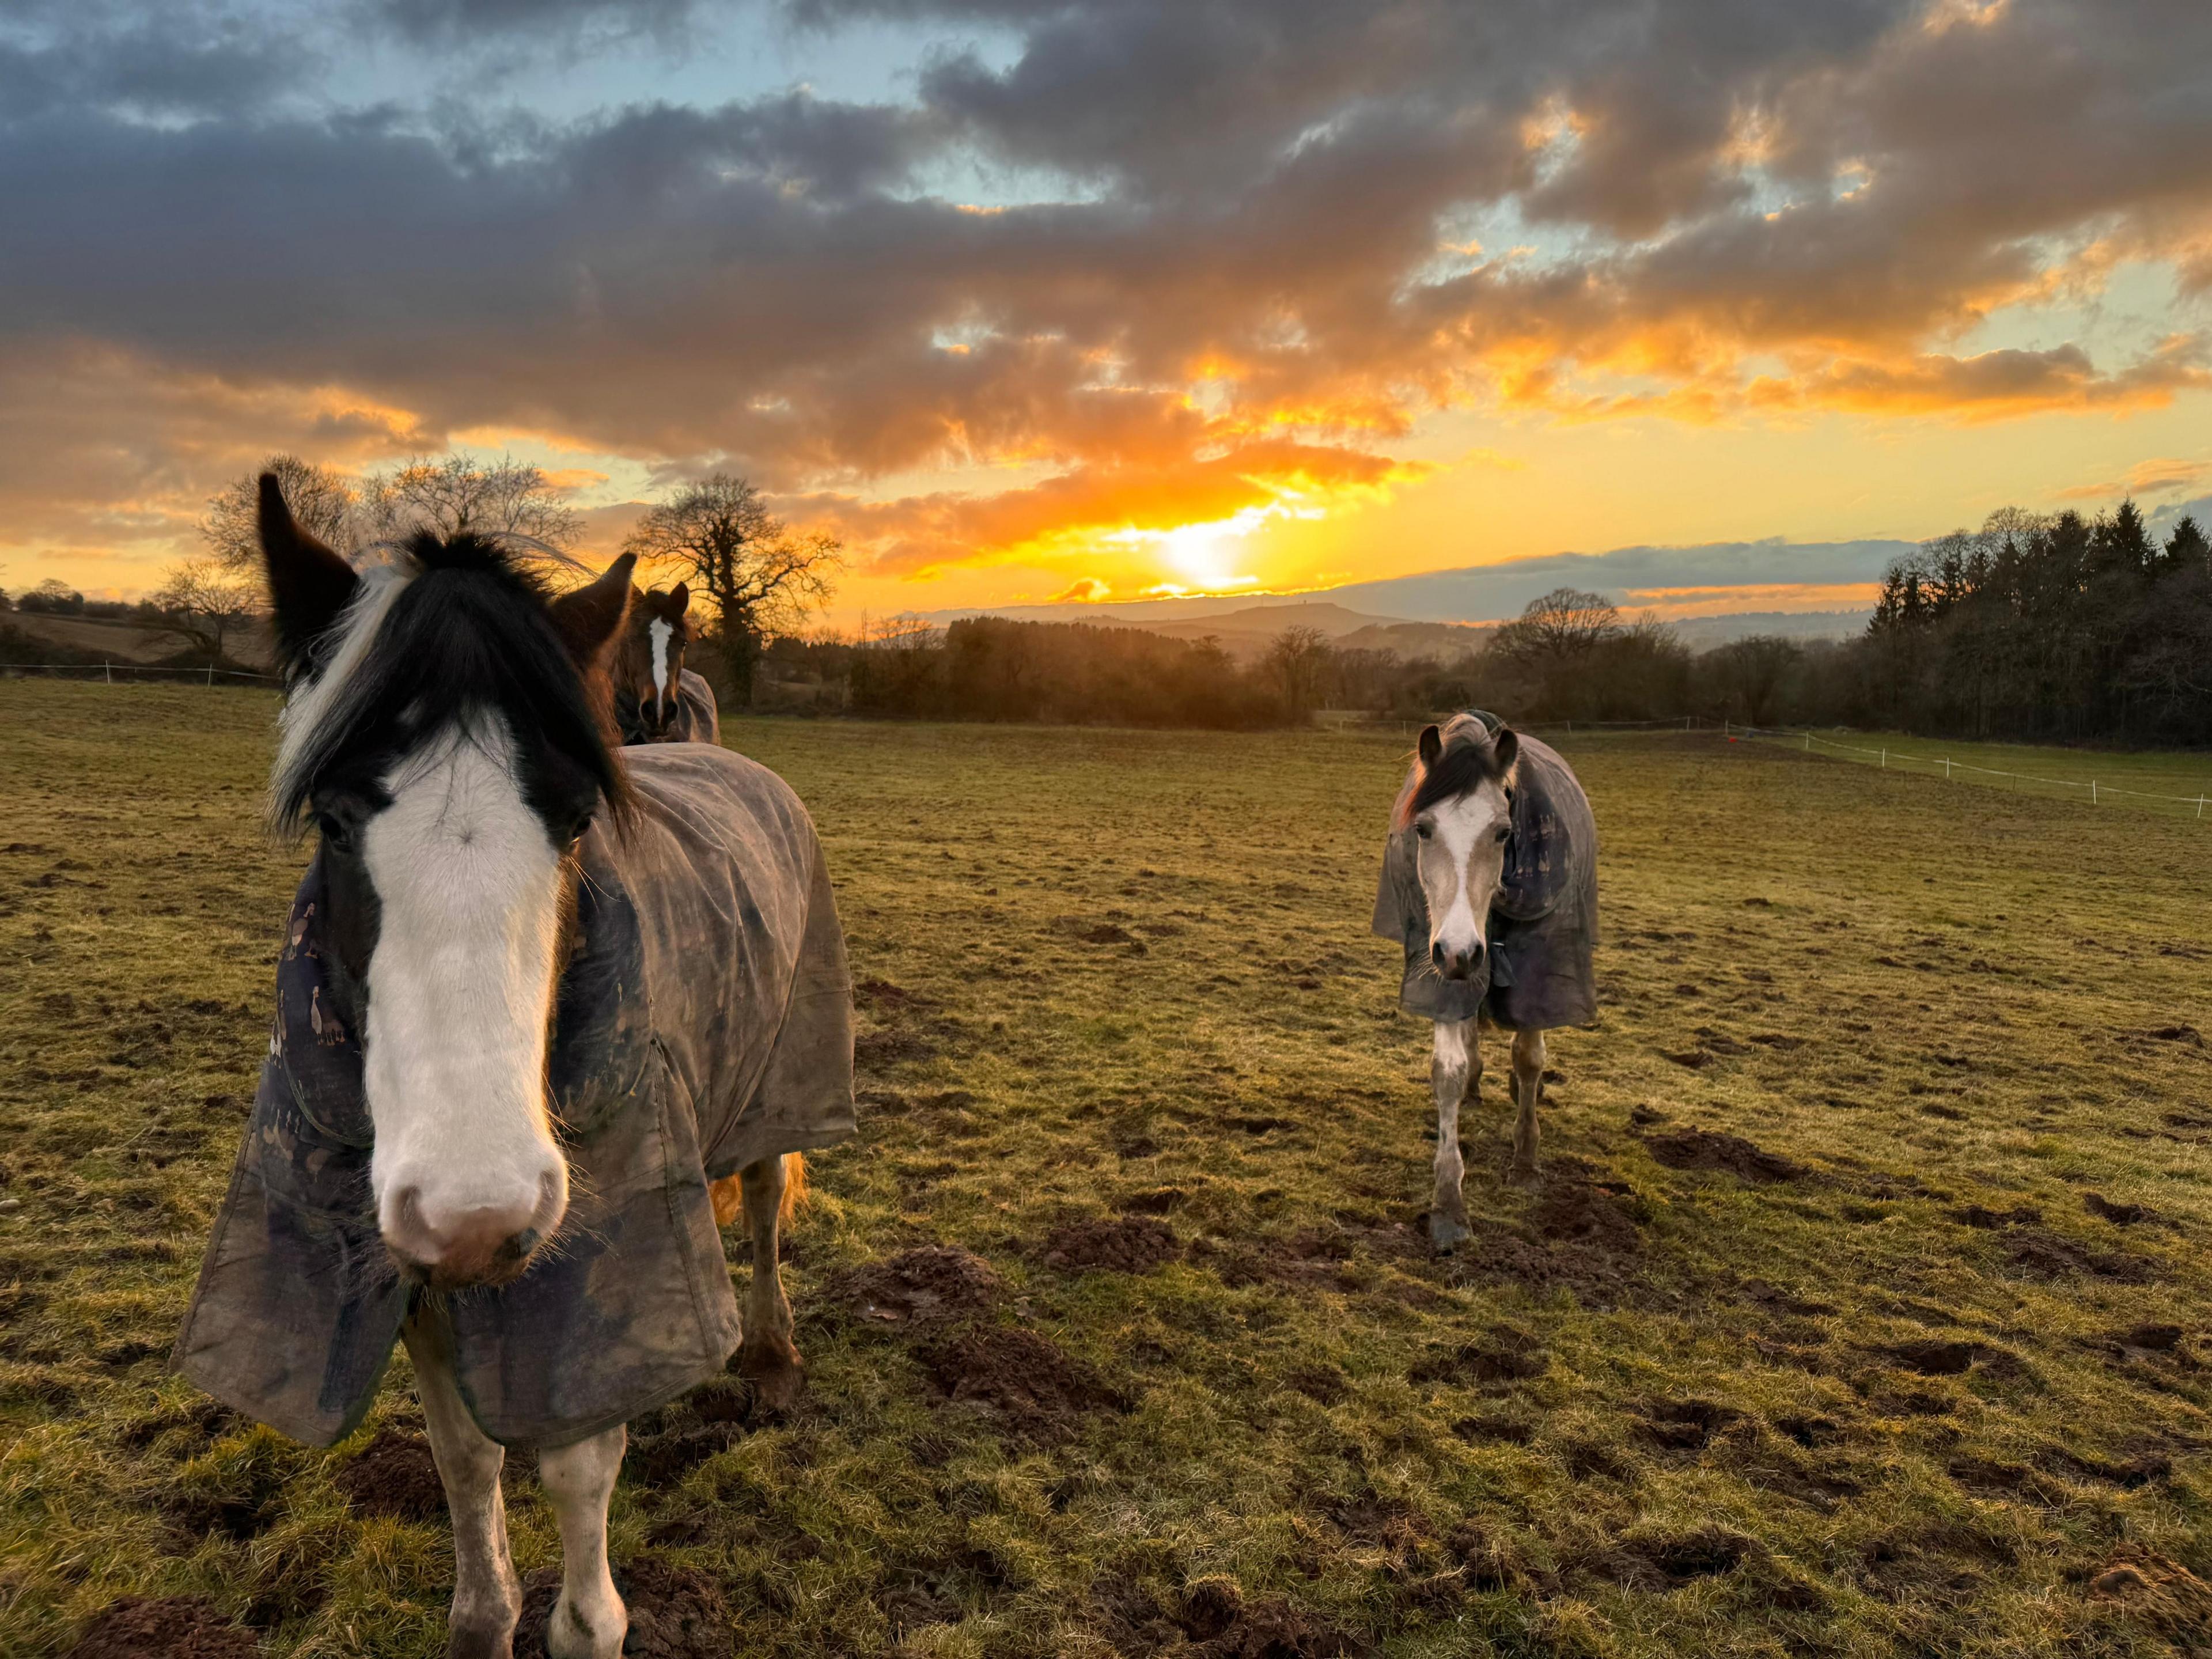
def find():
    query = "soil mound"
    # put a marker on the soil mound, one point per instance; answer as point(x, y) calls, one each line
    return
point(1706, 1149)
point(175, 1627)
point(1034, 1386)
point(395, 1476)
point(932, 1283)
point(1131, 1244)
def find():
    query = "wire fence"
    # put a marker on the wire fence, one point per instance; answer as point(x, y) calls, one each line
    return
point(111, 672)
point(2097, 791)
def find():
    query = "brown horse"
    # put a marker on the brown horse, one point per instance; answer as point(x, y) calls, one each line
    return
point(657, 699)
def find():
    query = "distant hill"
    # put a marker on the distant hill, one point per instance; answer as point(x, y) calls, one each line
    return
point(1703, 633)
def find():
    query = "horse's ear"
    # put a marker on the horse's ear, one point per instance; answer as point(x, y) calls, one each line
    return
point(589, 619)
point(680, 598)
point(1431, 745)
point(309, 585)
point(1507, 749)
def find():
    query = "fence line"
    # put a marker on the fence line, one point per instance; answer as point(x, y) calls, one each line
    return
point(107, 670)
point(1883, 756)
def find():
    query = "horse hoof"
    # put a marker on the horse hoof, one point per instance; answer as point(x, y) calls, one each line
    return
point(772, 1366)
point(1523, 1173)
point(1446, 1234)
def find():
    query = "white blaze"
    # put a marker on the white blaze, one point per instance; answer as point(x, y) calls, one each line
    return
point(1459, 866)
point(460, 987)
point(661, 632)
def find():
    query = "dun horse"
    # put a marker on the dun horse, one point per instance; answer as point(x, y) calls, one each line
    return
point(1490, 882)
point(657, 698)
point(535, 994)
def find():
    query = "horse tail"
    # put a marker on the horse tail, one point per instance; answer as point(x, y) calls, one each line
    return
point(796, 1192)
point(728, 1194)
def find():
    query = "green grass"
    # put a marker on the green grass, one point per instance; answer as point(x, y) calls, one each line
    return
point(2176, 784)
point(1100, 965)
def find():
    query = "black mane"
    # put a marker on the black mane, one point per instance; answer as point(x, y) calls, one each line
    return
point(1461, 767)
point(469, 635)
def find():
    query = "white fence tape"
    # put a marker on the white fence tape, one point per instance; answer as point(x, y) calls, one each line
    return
point(107, 670)
point(1885, 757)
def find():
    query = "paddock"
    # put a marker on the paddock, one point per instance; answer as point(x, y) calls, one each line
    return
point(1864, 1303)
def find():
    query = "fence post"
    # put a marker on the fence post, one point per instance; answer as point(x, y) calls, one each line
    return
point(1946, 768)
point(210, 679)
point(2092, 792)
point(1885, 760)
point(2200, 806)
point(108, 672)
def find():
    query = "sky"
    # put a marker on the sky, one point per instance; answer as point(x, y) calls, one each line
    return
point(1105, 300)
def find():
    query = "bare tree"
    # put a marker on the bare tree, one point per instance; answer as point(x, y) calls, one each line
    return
point(453, 493)
point(1297, 660)
point(203, 601)
point(1563, 625)
point(760, 578)
point(321, 498)
point(1749, 673)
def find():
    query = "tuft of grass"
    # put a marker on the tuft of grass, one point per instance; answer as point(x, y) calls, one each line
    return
point(1914, 1392)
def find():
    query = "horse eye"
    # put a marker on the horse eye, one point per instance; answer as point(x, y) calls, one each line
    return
point(1422, 830)
point(337, 834)
point(1504, 831)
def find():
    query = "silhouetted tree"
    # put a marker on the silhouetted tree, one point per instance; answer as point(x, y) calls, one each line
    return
point(759, 577)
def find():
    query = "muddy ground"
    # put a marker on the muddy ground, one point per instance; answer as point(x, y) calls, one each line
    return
point(1863, 1308)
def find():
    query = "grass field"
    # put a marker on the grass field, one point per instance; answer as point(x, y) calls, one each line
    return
point(2178, 784)
point(1122, 1333)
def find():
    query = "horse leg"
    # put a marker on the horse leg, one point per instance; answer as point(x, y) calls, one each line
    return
point(487, 1596)
point(1528, 1092)
point(589, 1620)
point(767, 1360)
point(1457, 1063)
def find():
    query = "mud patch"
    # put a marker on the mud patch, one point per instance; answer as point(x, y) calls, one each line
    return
point(1685, 1425)
point(1505, 1355)
point(1322, 1384)
point(2042, 1254)
point(1131, 1244)
point(932, 1284)
point(174, 1627)
point(1982, 1216)
point(1707, 1149)
point(2120, 1215)
point(1222, 1625)
point(1032, 1386)
point(1664, 1563)
point(1582, 1235)
point(675, 1612)
point(1933, 1358)
point(397, 1476)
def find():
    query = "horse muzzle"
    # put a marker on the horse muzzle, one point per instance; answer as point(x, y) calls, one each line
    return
point(1452, 962)
point(475, 1244)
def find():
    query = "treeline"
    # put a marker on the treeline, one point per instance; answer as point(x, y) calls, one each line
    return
point(2032, 626)
point(988, 669)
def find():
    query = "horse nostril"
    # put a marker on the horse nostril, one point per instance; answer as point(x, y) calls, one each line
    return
point(1436, 954)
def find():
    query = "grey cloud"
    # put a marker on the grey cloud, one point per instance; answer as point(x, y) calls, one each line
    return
point(1265, 182)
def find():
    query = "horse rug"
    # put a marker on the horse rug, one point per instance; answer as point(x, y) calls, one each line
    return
point(1537, 972)
point(697, 719)
point(703, 1022)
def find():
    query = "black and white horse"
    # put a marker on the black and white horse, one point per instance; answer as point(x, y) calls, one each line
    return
point(538, 994)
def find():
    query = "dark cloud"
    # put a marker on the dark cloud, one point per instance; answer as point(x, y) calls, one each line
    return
point(557, 24)
point(1731, 208)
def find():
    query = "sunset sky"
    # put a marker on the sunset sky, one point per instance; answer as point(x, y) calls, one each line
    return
point(1115, 298)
